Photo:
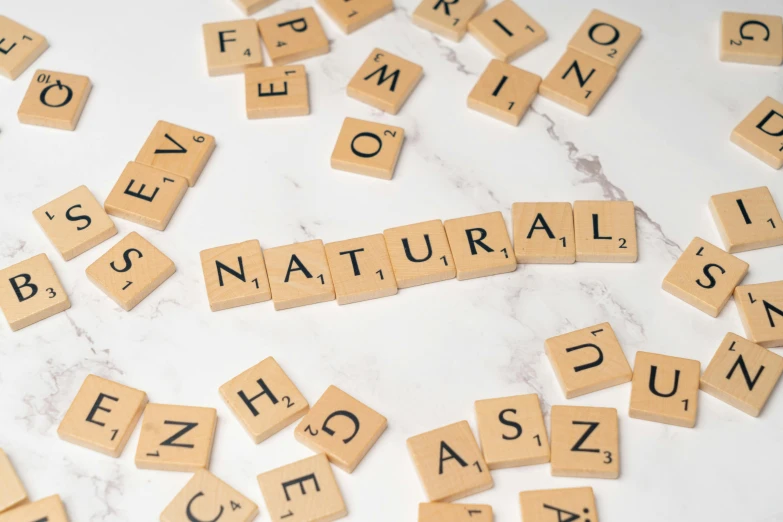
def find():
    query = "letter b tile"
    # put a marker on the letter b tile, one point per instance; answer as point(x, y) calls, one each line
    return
point(30, 292)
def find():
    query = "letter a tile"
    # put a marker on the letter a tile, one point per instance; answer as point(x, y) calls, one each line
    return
point(544, 233)
point(665, 389)
point(585, 442)
point(449, 463)
point(369, 148)
point(176, 438)
point(442, 512)
point(293, 36)
point(102, 416)
point(761, 132)
point(232, 47)
point(304, 491)
point(30, 292)
point(276, 92)
point(606, 38)
point(504, 92)
point(751, 38)
point(235, 275)
point(507, 31)
point(299, 274)
point(448, 19)
point(578, 82)
point(12, 493)
point(20, 47)
point(761, 310)
point(480, 245)
point(356, 14)
point(361, 269)
point(177, 150)
point(420, 253)
point(49, 509)
point(554, 505)
point(605, 231)
point(206, 497)
point(55, 100)
point(384, 81)
point(341, 427)
point(747, 219)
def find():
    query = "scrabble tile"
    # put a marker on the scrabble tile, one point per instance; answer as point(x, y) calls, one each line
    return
point(588, 360)
point(341, 427)
point(449, 463)
point(12, 492)
point(304, 491)
point(130, 270)
point(369, 148)
point(177, 150)
point(447, 19)
point(420, 253)
point(585, 442)
point(507, 31)
point(606, 38)
point(235, 275)
point(577, 82)
point(761, 310)
point(276, 92)
point(54, 100)
point(442, 512)
point(543, 232)
point(512, 432)
point(504, 92)
point(747, 219)
point(249, 7)
point(75, 222)
point(605, 231)
point(49, 509)
point(293, 36)
point(361, 269)
point(299, 275)
point(206, 497)
point(264, 399)
point(761, 132)
point(176, 438)
point(353, 15)
point(480, 245)
point(102, 416)
point(384, 81)
point(665, 389)
point(551, 505)
point(232, 47)
point(30, 292)
point(705, 276)
point(146, 195)
point(751, 38)
point(742, 374)
point(19, 47)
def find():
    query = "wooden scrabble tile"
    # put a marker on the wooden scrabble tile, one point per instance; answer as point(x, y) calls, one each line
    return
point(742, 374)
point(606, 38)
point(550, 505)
point(504, 92)
point(264, 399)
point(341, 427)
point(577, 82)
point(369, 148)
point(605, 231)
point(588, 360)
point(130, 270)
point(355, 14)
point(249, 7)
point(442, 512)
point(480, 245)
point(512, 431)
point(177, 150)
point(751, 38)
point(449, 463)
point(19, 47)
point(447, 19)
point(665, 389)
point(235, 275)
point(705, 276)
point(176, 438)
point(543, 232)
point(75, 222)
point(761, 132)
point(146, 195)
point(747, 219)
point(54, 100)
point(299, 274)
point(30, 292)
point(761, 310)
point(102, 416)
point(585, 442)
point(206, 497)
point(232, 47)
point(304, 491)
point(384, 81)
point(507, 31)
point(49, 509)
point(420, 253)
point(276, 92)
point(12, 493)
point(293, 36)
point(361, 269)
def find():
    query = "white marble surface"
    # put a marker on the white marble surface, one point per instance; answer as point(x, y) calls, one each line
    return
point(660, 137)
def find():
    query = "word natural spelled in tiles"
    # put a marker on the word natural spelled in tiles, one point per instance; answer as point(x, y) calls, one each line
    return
point(19, 47)
point(507, 31)
point(578, 81)
point(293, 36)
point(606, 38)
point(30, 291)
point(605, 231)
point(447, 19)
point(751, 38)
point(384, 81)
point(761, 132)
point(585, 442)
point(232, 47)
point(235, 275)
point(276, 92)
point(249, 7)
point(550, 505)
point(543, 233)
point(420, 253)
point(299, 274)
point(177, 150)
point(353, 15)
point(49, 509)
point(55, 100)
point(504, 92)
point(761, 310)
point(369, 148)
point(480, 245)
point(12, 493)
point(442, 512)
point(361, 269)
point(747, 219)
point(665, 389)
point(206, 497)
